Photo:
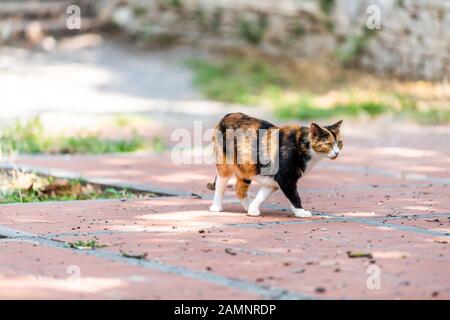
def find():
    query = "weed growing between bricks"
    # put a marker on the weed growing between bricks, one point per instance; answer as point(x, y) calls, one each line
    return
point(23, 187)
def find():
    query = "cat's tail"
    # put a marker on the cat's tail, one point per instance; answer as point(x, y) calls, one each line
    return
point(212, 186)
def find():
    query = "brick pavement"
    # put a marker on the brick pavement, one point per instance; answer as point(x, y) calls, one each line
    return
point(393, 205)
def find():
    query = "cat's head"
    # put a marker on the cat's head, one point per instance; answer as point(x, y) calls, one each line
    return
point(326, 140)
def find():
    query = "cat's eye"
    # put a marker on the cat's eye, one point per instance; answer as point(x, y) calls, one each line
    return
point(340, 144)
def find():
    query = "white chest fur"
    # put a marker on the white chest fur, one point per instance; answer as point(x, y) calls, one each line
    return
point(315, 158)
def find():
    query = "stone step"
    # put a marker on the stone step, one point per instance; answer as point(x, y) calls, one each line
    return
point(35, 30)
point(33, 9)
point(33, 20)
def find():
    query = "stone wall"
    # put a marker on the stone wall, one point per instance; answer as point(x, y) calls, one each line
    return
point(413, 40)
point(296, 27)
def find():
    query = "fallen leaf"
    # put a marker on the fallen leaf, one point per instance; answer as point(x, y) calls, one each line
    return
point(320, 290)
point(300, 270)
point(230, 252)
point(141, 256)
point(351, 254)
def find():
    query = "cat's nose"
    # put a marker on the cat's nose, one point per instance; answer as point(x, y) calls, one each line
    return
point(335, 152)
point(334, 155)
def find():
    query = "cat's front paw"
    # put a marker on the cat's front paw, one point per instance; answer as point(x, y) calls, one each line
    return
point(215, 208)
point(253, 211)
point(301, 213)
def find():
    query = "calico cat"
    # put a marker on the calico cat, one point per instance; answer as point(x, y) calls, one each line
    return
point(292, 150)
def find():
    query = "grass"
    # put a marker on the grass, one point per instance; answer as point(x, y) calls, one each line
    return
point(235, 81)
point(312, 90)
point(22, 187)
point(92, 143)
point(306, 110)
point(30, 136)
point(86, 245)
point(432, 116)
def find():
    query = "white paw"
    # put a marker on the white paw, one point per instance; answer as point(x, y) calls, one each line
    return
point(253, 211)
point(301, 213)
point(245, 203)
point(215, 208)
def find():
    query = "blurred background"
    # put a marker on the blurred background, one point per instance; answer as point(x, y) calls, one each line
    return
point(119, 75)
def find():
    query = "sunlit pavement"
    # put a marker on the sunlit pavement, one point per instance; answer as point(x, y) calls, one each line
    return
point(390, 200)
point(85, 78)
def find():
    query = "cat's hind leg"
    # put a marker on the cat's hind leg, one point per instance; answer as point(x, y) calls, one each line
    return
point(221, 185)
point(242, 186)
point(224, 173)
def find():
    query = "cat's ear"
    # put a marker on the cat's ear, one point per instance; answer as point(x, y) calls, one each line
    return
point(335, 127)
point(337, 124)
point(315, 129)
